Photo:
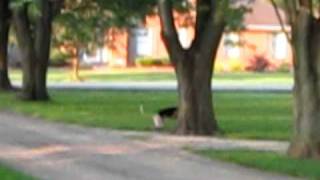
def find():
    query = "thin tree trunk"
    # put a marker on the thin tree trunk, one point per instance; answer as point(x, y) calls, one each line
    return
point(5, 83)
point(306, 45)
point(76, 65)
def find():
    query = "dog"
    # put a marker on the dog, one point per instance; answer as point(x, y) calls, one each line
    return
point(162, 114)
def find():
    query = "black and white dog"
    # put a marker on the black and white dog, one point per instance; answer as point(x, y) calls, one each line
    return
point(162, 114)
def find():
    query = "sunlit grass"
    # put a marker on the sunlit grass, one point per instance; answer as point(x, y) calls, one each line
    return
point(125, 75)
point(268, 161)
point(240, 115)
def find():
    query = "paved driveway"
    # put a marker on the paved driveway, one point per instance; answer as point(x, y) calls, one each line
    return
point(62, 152)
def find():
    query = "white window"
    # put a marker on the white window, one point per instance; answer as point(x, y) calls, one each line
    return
point(184, 38)
point(279, 46)
point(144, 43)
point(232, 45)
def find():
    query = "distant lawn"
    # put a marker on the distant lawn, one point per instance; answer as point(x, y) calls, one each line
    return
point(63, 75)
point(7, 173)
point(240, 115)
point(268, 161)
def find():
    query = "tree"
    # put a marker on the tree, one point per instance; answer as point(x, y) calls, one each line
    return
point(81, 26)
point(305, 40)
point(33, 26)
point(194, 65)
point(4, 35)
point(96, 17)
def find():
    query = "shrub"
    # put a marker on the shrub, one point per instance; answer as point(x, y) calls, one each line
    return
point(219, 67)
point(235, 65)
point(259, 64)
point(151, 61)
point(58, 58)
point(285, 67)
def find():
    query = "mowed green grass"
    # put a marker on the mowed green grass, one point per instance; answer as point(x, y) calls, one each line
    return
point(268, 161)
point(240, 115)
point(64, 75)
point(7, 173)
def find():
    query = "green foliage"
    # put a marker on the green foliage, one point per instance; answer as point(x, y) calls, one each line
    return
point(268, 161)
point(33, 7)
point(80, 22)
point(234, 18)
point(58, 58)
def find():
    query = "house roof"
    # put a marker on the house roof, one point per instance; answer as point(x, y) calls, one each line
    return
point(262, 16)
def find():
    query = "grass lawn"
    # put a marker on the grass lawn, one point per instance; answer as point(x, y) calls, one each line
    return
point(10, 174)
point(240, 115)
point(268, 161)
point(102, 75)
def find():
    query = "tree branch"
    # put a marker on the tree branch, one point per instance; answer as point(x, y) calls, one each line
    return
point(169, 31)
point(214, 27)
point(291, 8)
point(281, 21)
point(202, 16)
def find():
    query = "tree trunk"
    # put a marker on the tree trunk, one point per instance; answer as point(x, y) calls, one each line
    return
point(34, 43)
point(26, 45)
point(196, 114)
point(306, 45)
point(76, 64)
point(194, 66)
point(42, 49)
point(4, 35)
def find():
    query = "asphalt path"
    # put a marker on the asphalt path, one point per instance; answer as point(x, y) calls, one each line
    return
point(64, 152)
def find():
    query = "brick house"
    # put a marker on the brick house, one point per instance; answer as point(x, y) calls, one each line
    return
point(262, 36)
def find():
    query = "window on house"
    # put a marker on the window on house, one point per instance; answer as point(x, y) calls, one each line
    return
point(144, 43)
point(279, 46)
point(232, 45)
point(183, 37)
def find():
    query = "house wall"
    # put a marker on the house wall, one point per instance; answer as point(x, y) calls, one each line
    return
point(252, 42)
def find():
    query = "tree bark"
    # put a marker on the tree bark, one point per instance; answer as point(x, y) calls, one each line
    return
point(42, 49)
point(196, 114)
point(26, 45)
point(306, 45)
point(5, 83)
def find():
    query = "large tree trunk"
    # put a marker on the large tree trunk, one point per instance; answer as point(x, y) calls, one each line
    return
point(4, 35)
point(306, 45)
point(196, 113)
point(42, 49)
point(34, 43)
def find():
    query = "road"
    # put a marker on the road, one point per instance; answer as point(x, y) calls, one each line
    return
point(53, 151)
point(166, 86)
